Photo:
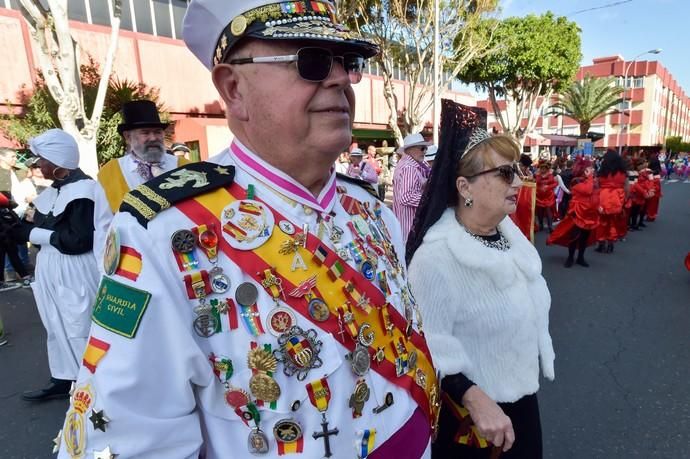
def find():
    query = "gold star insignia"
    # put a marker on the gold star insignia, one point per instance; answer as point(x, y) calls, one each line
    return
point(222, 170)
point(104, 454)
point(56, 442)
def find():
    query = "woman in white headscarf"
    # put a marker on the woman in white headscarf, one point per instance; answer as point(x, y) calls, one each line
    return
point(66, 272)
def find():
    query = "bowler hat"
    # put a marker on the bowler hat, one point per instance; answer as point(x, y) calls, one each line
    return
point(212, 27)
point(139, 114)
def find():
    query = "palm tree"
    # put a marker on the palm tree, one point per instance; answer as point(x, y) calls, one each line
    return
point(587, 99)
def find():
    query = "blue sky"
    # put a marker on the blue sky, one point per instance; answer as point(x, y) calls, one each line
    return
point(627, 29)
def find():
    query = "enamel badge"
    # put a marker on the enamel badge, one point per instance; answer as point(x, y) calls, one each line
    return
point(247, 224)
point(299, 352)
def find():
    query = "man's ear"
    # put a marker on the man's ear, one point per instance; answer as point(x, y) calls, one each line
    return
point(227, 80)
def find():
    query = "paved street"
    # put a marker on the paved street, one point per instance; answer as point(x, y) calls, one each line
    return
point(620, 330)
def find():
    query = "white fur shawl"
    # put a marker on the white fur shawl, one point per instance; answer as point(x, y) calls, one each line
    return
point(486, 312)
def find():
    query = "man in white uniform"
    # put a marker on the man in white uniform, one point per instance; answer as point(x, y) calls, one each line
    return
point(259, 305)
point(146, 158)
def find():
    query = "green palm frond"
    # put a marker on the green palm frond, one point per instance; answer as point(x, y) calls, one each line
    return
point(588, 99)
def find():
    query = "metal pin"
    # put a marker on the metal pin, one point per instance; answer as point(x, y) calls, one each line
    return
point(388, 401)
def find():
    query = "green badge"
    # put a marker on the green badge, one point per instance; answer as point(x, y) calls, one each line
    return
point(119, 308)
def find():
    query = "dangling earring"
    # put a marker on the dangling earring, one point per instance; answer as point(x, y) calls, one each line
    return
point(469, 202)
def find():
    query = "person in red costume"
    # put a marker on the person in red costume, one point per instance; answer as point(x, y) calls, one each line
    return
point(576, 231)
point(653, 202)
point(613, 186)
point(640, 194)
point(546, 196)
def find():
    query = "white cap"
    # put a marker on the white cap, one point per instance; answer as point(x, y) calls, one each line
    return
point(413, 140)
point(212, 27)
point(430, 154)
point(58, 147)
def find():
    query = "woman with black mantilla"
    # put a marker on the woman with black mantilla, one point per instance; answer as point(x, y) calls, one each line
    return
point(485, 303)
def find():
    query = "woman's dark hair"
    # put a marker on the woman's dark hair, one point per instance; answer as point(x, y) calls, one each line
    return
point(457, 123)
point(611, 163)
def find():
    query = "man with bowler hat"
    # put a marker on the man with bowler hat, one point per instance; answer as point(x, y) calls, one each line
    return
point(146, 158)
point(260, 304)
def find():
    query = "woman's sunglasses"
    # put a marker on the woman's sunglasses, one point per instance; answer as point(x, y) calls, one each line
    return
point(507, 172)
point(313, 64)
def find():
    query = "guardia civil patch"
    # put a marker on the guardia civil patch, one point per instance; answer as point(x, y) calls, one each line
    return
point(119, 307)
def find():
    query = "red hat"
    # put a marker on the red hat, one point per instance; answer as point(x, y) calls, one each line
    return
point(687, 261)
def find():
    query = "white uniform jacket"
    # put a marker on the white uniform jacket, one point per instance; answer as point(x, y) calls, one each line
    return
point(158, 388)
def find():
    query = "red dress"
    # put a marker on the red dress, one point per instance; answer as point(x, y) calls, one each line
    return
point(583, 213)
point(611, 202)
point(653, 202)
point(546, 184)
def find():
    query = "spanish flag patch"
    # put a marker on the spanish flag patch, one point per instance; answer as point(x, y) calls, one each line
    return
point(95, 351)
point(130, 263)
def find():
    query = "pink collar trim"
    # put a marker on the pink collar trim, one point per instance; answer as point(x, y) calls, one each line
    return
point(261, 170)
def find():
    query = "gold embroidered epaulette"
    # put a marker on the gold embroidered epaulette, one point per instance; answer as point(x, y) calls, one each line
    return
point(366, 185)
point(147, 200)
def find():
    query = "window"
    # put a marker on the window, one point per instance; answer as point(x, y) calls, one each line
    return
point(142, 12)
point(161, 9)
point(179, 8)
point(639, 82)
point(99, 12)
point(126, 16)
point(76, 10)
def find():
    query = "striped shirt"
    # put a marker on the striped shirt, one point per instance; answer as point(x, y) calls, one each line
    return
point(408, 185)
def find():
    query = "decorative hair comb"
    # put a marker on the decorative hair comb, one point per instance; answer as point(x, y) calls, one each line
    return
point(478, 136)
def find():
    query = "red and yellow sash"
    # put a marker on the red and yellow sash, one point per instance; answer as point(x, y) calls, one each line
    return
point(338, 287)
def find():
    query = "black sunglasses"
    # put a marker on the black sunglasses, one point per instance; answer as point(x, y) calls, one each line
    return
point(313, 64)
point(507, 172)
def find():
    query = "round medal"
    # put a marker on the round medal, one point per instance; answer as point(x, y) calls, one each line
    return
point(111, 256)
point(286, 227)
point(183, 241)
point(236, 397)
point(367, 270)
point(318, 310)
point(247, 224)
point(280, 320)
point(263, 387)
point(246, 294)
point(220, 283)
point(287, 430)
point(360, 360)
point(205, 325)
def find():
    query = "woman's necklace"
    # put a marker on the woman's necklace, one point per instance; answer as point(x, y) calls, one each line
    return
point(498, 243)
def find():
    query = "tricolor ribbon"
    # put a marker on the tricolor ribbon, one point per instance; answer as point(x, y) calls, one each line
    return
point(319, 394)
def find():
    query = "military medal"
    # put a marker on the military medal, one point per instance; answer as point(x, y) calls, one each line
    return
point(359, 397)
point(257, 441)
point(220, 283)
point(299, 352)
point(247, 224)
point(263, 365)
point(280, 320)
point(360, 361)
point(246, 296)
point(288, 434)
point(318, 309)
point(208, 241)
point(111, 256)
point(292, 246)
point(320, 396)
point(183, 242)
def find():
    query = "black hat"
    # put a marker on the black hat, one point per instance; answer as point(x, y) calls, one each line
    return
point(140, 114)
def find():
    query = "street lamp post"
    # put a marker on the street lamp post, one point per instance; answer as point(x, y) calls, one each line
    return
point(625, 82)
point(437, 108)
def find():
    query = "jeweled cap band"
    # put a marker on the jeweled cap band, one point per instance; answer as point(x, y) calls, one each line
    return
point(305, 20)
